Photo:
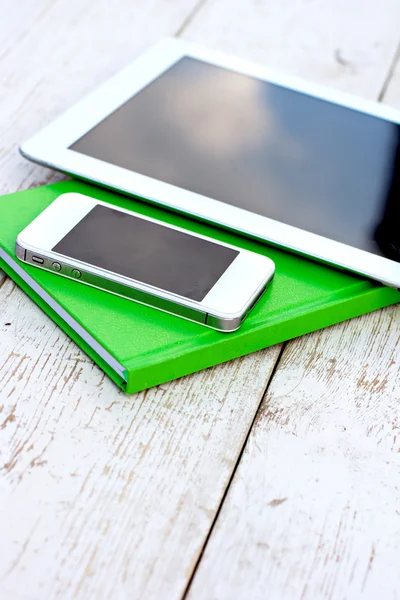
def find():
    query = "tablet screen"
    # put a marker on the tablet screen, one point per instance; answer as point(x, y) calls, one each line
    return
point(279, 153)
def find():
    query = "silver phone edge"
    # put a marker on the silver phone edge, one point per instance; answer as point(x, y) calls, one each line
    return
point(215, 322)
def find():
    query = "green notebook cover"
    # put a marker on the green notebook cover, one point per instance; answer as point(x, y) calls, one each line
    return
point(139, 347)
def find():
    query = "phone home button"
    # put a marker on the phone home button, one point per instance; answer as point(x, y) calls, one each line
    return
point(76, 273)
point(56, 266)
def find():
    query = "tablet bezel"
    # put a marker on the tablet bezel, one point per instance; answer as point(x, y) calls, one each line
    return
point(50, 147)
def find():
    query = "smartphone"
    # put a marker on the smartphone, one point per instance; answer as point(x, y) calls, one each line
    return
point(146, 260)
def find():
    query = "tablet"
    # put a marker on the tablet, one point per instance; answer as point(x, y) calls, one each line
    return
point(223, 140)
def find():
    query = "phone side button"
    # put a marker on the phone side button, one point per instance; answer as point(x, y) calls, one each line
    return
point(38, 259)
point(76, 273)
point(56, 266)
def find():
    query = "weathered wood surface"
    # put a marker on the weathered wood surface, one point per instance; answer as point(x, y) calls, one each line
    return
point(52, 53)
point(313, 509)
point(313, 506)
point(346, 45)
point(104, 496)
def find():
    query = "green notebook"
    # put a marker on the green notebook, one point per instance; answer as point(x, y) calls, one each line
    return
point(139, 347)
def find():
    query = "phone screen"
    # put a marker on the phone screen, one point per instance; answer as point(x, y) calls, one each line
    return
point(279, 153)
point(147, 252)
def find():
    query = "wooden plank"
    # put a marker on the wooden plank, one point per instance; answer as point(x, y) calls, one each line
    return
point(101, 495)
point(313, 507)
point(52, 53)
point(346, 45)
point(105, 495)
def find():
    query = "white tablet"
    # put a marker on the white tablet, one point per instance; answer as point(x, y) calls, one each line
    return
point(238, 145)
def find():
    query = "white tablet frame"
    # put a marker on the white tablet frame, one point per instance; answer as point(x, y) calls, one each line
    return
point(50, 147)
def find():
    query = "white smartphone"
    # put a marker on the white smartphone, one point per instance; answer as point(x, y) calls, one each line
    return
point(239, 145)
point(145, 260)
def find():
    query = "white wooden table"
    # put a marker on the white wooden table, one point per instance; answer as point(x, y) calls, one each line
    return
point(273, 476)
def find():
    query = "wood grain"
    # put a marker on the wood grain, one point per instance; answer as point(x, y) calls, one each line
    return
point(101, 495)
point(312, 509)
point(346, 45)
point(52, 53)
point(104, 495)
point(314, 505)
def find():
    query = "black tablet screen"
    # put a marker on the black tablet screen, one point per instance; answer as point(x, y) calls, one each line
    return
point(279, 153)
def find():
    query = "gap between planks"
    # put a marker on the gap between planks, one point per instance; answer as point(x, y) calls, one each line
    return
point(239, 458)
point(390, 74)
point(191, 16)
